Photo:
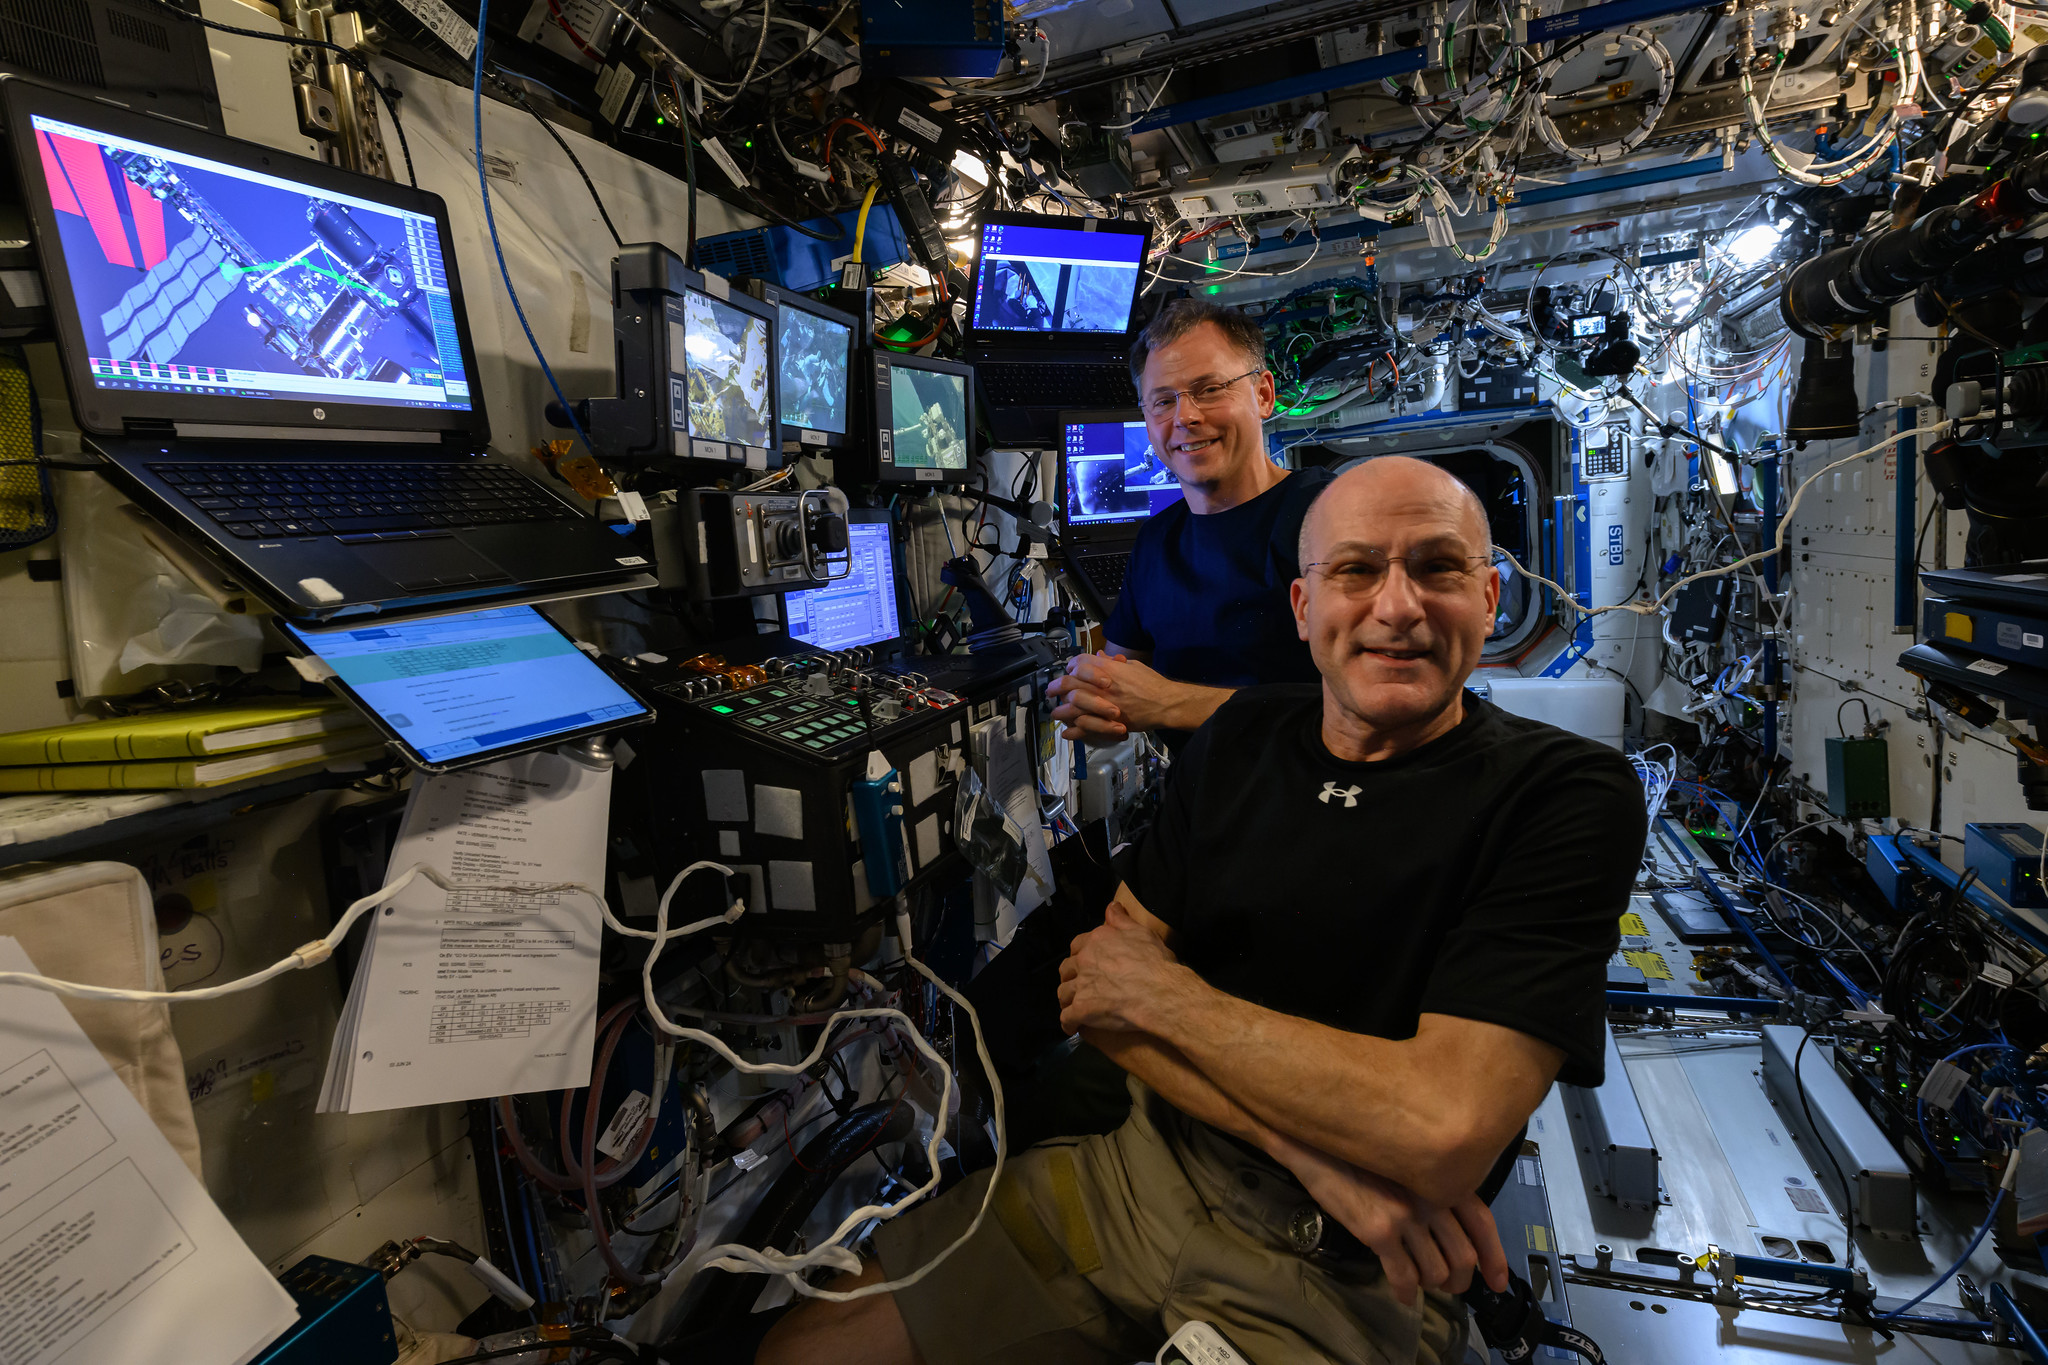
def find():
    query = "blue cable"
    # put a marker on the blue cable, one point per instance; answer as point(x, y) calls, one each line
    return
point(505, 1211)
point(483, 182)
point(1948, 1274)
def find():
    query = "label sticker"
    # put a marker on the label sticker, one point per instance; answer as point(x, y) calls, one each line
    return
point(810, 438)
point(927, 476)
point(2030, 640)
point(1989, 667)
point(726, 163)
point(707, 450)
point(633, 561)
point(616, 1141)
point(920, 125)
point(633, 505)
point(445, 24)
point(1996, 975)
point(716, 286)
point(756, 458)
point(1944, 1085)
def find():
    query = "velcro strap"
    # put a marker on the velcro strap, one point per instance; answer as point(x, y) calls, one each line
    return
point(1066, 1198)
point(1013, 1211)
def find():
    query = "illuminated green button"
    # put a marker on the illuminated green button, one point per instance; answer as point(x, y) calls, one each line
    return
point(814, 743)
point(757, 720)
point(723, 710)
point(777, 692)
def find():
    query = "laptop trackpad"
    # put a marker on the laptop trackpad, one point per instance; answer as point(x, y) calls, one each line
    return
point(442, 562)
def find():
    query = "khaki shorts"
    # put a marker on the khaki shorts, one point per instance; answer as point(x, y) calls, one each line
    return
point(1097, 1249)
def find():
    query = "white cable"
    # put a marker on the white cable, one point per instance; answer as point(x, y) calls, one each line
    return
point(742, 1259)
point(1564, 595)
point(1600, 154)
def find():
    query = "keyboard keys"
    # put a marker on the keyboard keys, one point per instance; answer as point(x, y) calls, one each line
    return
point(353, 499)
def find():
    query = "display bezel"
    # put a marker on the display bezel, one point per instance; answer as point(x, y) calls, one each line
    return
point(810, 438)
point(688, 443)
point(1006, 337)
point(882, 429)
point(865, 516)
point(115, 411)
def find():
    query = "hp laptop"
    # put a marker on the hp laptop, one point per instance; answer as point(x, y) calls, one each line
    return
point(1110, 483)
point(1049, 319)
point(271, 353)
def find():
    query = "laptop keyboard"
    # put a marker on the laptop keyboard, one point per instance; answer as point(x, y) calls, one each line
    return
point(366, 501)
point(1106, 572)
point(1058, 385)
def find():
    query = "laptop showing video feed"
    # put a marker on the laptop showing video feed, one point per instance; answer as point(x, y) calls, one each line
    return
point(1111, 483)
point(456, 691)
point(1050, 318)
point(273, 356)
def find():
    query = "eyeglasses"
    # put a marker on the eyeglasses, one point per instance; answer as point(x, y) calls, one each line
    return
point(1360, 573)
point(1207, 396)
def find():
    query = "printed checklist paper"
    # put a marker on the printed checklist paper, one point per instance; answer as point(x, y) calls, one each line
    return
point(110, 1250)
point(487, 989)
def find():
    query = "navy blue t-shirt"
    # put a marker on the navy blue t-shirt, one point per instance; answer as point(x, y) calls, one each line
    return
point(1207, 595)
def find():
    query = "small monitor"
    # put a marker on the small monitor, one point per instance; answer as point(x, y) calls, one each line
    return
point(203, 279)
point(1054, 276)
point(454, 691)
point(1589, 325)
point(814, 348)
point(695, 364)
point(1110, 473)
point(861, 608)
point(924, 418)
point(722, 383)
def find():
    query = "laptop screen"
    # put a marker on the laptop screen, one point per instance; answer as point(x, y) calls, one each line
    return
point(1112, 474)
point(194, 276)
point(1056, 279)
point(452, 688)
point(859, 609)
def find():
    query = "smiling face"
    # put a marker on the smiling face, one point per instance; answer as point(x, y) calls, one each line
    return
point(1214, 447)
point(1394, 647)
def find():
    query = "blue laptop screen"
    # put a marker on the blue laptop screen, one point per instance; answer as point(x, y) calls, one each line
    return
point(1113, 476)
point(859, 609)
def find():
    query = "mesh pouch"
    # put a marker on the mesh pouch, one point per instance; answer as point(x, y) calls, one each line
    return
point(28, 513)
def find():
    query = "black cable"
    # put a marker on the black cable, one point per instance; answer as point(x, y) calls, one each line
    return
point(689, 172)
point(349, 55)
point(519, 98)
point(1813, 1135)
point(608, 1347)
point(1845, 706)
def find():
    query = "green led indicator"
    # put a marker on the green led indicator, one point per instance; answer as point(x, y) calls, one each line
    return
point(723, 710)
point(1215, 288)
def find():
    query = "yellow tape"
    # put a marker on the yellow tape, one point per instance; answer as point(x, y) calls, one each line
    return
point(1013, 1211)
point(1648, 963)
point(1632, 926)
point(1066, 1198)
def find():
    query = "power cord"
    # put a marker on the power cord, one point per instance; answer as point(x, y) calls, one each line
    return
point(483, 181)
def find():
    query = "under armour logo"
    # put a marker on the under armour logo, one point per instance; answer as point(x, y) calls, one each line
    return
point(1330, 793)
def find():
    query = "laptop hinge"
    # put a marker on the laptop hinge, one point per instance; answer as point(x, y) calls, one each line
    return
point(149, 428)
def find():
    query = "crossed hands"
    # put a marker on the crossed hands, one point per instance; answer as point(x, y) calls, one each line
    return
point(1420, 1246)
point(1105, 696)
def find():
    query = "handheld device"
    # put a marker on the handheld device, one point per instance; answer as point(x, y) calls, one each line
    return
point(456, 691)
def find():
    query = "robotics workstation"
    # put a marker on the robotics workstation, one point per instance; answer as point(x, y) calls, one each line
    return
point(1079, 681)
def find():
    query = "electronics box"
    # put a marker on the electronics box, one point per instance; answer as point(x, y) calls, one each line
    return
point(932, 37)
point(1859, 778)
point(344, 1317)
point(1982, 628)
point(716, 404)
point(2007, 860)
point(1498, 387)
point(764, 781)
point(1700, 610)
point(784, 256)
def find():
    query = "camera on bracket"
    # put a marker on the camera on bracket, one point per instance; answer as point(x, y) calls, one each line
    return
point(745, 544)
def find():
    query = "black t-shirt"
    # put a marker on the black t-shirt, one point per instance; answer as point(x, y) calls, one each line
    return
point(1207, 595)
point(1482, 875)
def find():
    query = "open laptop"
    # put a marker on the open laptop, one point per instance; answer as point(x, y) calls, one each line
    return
point(272, 355)
point(1050, 319)
point(1110, 484)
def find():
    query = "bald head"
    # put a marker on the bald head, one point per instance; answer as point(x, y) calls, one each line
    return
point(1392, 480)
